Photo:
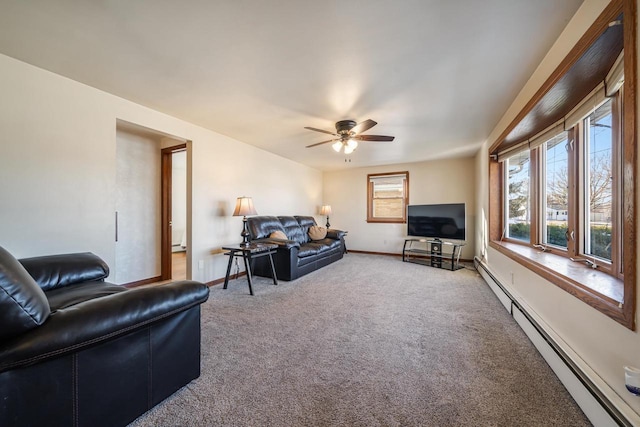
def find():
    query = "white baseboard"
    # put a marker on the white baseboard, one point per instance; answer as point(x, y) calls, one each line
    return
point(591, 397)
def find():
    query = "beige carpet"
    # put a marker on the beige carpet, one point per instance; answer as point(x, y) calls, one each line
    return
point(366, 341)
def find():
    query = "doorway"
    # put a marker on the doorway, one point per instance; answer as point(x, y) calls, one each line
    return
point(149, 182)
point(174, 212)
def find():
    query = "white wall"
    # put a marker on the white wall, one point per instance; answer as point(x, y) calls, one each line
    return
point(138, 203)
point(58, 172)
point(438, 181)
point(602, 346)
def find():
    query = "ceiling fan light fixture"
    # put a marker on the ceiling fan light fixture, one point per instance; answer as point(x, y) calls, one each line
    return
point(348, 132)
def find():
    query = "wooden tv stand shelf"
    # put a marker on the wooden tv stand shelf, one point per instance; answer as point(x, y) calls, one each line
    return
point(435, 253)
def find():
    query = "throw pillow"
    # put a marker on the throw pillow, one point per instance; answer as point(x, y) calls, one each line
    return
point(23, 305)
point(317, 233)
point(278, 235)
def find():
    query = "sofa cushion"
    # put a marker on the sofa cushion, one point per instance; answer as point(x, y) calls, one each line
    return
point(327, 244)
point(61, 298)
point(55, 271)
point(261, 227)
point(305, 222)
point(23, 305)
point(307, 250)
point(293, 230)
point(317, 232)
point(278, 235)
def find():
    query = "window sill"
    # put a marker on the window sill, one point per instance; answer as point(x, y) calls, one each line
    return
point(596, 288)
point(387, 221)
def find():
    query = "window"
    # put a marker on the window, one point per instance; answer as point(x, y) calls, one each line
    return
point(578, 178)
point(562, 176)
point(517, 212)
point(387, 197)
point(556, 191)
point(599, 178)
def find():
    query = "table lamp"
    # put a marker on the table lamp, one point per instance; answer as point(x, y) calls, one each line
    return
point(326, 210)
point(244, 207)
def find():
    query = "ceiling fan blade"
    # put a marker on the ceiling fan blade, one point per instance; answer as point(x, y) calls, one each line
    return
point(373, 138)
point(363, 126)
point(323, 142)
point(320, 130)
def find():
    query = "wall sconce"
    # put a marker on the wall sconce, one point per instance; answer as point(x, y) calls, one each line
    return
point(244, 207)
point(326, 210)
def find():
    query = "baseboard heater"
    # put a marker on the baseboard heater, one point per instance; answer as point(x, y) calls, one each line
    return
point(596, 406)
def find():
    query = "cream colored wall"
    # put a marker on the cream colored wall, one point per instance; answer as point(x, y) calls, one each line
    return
point(600, 346)
point(439, 181)
point(58, 169)
point(138, 202)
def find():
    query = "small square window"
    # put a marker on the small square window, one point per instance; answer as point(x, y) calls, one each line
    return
point(387, 197)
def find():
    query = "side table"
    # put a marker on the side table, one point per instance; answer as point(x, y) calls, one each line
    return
point(248, 253)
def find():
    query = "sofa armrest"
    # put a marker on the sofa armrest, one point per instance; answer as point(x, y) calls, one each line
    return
point(96, 320)
point(287, 244)
point(55, 271)
point(335, 234)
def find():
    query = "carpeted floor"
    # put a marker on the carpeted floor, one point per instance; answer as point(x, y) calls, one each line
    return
point(366, 341)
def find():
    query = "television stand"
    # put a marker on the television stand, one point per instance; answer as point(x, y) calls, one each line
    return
point(434, 252)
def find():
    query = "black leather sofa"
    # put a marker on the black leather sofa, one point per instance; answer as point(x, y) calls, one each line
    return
point(298, 254)
point(78, 351)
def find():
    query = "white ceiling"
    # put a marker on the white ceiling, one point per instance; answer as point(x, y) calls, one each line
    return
point(437, 75)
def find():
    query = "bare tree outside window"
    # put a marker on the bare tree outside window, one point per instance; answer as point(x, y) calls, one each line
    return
point(599, 164)
point(518, 221)
point(557, 191)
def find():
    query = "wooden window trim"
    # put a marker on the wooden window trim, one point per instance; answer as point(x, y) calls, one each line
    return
point(567, 275)
point(370, 217)
point(530, 192)
point(580, 154)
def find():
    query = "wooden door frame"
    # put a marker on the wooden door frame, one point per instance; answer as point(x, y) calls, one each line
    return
point(165, 216)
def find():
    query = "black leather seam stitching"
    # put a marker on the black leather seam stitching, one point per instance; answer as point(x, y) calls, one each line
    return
point(74, 384)
point(150, 371)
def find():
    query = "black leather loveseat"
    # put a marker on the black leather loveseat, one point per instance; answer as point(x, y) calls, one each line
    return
point(298, 254)
point(78, 351)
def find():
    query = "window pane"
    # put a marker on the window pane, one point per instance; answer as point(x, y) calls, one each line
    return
point(388, 188)
point(598, 174)
point(386, 198)
point(388, 208)
point(556, 191)
point(518, 215)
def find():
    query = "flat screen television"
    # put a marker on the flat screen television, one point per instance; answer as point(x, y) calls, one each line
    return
point(443, 221)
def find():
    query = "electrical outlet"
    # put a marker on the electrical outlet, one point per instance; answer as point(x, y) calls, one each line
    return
point(201, 264)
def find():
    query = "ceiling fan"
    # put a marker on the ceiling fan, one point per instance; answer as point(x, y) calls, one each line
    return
point(348, 133)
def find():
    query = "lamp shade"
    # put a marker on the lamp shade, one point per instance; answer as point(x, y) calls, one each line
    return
point(325, 210)
point(244, 207)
